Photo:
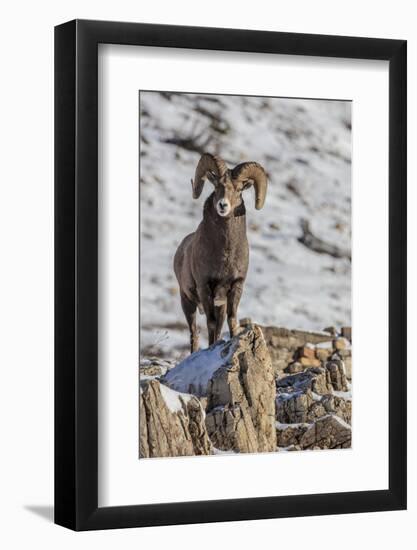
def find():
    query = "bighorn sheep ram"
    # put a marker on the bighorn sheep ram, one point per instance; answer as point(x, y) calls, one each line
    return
point(211, 264)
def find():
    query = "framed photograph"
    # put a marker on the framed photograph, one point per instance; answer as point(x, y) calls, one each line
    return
point(230, 248)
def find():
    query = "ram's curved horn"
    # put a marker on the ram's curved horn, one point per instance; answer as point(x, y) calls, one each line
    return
point(255, 175)
point(207, 163)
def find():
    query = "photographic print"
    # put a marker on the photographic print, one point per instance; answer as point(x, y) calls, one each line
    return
point(245, 274)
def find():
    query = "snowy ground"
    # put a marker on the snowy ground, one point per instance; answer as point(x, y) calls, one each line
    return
point(305, 147)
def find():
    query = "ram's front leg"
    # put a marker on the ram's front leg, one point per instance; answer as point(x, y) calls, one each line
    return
point(206, 299)
point(233, 300)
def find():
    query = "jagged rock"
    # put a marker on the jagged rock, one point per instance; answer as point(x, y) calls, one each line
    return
point(304, 407)
point(348, 367)
point(283, 344)
point(341, 343)
point(308, 362)
point(290, 434)
point(294, 368)
point(317, 410)
point(279, 366)
point(151, 371)
point(307, 352)
point(171, 423)
point(347, 333)
point(328, 432)
point(203, 401)
point(231, 428)
point(319, 380)
point(307, 396)
point(323, 354)
point(338, 406)
point(337, 375)
point(282, 358)
point(292, 339)
point(143, 428)
point(346, 356)
point(315, 379)
point(293, 408)
point(251, 405)
point(343, 353)
point(241, 397)
point(154, 367)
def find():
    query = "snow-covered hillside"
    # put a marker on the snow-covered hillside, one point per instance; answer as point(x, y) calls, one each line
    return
point(305, 147)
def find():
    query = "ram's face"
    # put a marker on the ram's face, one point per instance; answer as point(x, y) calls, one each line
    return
point(227, 195)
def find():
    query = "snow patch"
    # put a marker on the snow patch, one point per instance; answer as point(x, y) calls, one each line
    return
point(347, 395)
point(173, 399)
point(284, 425)
point(336, 418)
point(193, 374)
point(221, 452)
point(325, 345)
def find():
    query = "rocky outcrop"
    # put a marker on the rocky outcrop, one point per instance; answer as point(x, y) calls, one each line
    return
point(303, 399)
point(171, 423)
point(295, 407)
point(143, 429)
point(302, 407)
point(313, 404)
point(289, 435)
point(336, 375)
point(231, 398)
point(154, 367)
point(294, 350)
point(284, 344)
point(315, 379)
point(328, 432)
point(345, 355)
point(280, 337)
point(241, 398)
point(339, 406)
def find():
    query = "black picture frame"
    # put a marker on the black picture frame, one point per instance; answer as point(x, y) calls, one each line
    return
point(76, 272)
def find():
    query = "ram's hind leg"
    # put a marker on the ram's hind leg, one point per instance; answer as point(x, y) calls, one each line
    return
point(190, 311)
point(220, 314)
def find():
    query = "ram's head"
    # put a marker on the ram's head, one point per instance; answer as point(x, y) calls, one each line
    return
point(229, 184)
